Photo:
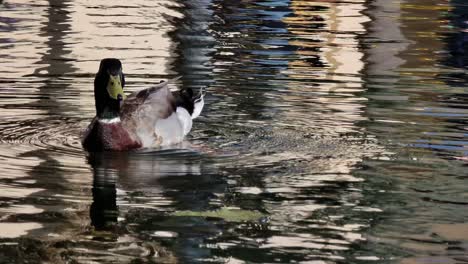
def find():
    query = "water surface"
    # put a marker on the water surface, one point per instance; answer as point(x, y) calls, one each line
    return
point(334, 132)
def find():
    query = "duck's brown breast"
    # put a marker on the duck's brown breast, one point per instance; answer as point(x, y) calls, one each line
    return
point(102, 136)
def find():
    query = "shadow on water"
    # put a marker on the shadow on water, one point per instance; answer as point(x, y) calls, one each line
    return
point(195, 45)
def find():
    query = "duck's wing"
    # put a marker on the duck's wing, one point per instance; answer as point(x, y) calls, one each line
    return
point(152, 115)
point(159, 96)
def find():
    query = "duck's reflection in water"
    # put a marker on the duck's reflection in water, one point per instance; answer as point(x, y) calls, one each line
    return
point(134, 195)
point(103, 210)
point(140, 179)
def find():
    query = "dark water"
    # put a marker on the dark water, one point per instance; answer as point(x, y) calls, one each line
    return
point(334, 132)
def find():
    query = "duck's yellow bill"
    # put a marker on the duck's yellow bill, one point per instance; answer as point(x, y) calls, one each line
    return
point(114, 87)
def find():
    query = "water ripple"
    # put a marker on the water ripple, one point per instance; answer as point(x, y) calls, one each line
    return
point(58, 135)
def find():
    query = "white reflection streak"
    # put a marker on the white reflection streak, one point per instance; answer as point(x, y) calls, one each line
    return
point(13, 230)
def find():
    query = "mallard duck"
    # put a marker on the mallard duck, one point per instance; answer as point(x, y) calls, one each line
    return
point(147, 118)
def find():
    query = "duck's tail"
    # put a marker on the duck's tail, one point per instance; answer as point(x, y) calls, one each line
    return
point(198, 103)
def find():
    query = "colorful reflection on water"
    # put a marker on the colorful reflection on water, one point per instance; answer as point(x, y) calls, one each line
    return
point(334, 132)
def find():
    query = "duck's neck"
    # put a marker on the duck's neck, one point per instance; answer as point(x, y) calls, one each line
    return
point(108, 111)
point(109, 115)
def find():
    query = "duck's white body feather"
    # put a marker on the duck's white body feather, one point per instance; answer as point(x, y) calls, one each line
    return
point(173, 129)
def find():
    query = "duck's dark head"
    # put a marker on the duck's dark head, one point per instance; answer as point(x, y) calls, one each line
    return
point(108, 88)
